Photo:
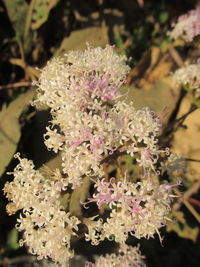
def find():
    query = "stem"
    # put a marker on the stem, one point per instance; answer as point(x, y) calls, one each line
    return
point(21, 48)
point(28, 19)
point(119, 170)
point(194, 201)
point(15, 85)
point(193, 160)
point(192, 210)
point(174, 124)
point(188, 205)
point(175, 55)
point(183, 117)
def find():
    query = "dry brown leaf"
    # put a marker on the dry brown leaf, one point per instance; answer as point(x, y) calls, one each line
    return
point(186, 141)
point(31, 73)
point(182, 228)
point(153, 66)
point(162, 95)
point(95, 36)
point(17, 61)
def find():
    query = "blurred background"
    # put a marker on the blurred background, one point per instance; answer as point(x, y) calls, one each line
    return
point(31, 32)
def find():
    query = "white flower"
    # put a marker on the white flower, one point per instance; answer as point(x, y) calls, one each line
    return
point(127, 257)
point(187, 26)
point(188, 76)
point(137, 208)
point(47, 228)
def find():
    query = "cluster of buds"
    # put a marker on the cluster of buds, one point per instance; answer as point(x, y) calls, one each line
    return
point(90, 123)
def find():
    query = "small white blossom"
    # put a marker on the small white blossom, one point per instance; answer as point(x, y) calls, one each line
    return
point(137, 208)
point(127, 256)
point(82, 76)
point(187, 26)
point(47, 228)
point(173, 165)
point(188, 76)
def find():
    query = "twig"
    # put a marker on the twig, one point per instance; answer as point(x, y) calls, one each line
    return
point(194, 201)
point(194, 189)
point(175, 55)
point(192, 210)
point(188, 205)
point(193, 160)
point(21, 48)
point(126, 45)
point(28, 19)
point(183, 117)
point(173, 125)
point(119, 170)
point(113, 156)
point(15, 85)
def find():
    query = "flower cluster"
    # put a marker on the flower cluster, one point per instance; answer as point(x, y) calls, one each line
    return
point(188, 76)
point(138, 208)
point(82, 91)
point(187, 26)
point(174, 165)
point(90, 124)
point(80, 77)
point(47, 228)
point(127, 257)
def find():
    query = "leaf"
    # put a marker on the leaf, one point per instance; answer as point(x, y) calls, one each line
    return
point(64, 200)
point(10, 131)
point(164, 46)
point(12, 241)
point(128, 167)
point(78, 39)
point(41, 11)
point(163, 95)
point(79, 195)
point(163, 17)
point(182, 228)
point(17, 61)
point(17, 10)
point(186, 142)
point(154, 65)
point(31, 73)
point(117, 36)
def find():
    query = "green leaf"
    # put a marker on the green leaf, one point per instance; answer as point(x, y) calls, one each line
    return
point(10, 130)
point(163, 17)
point(118, 38)
point(164, 46)
point(64, 200)
point(41, 11)
point(12, 241)
point(17, 10)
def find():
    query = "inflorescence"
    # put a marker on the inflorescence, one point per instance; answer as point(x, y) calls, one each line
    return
point(187, 26)
point(90, 123)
